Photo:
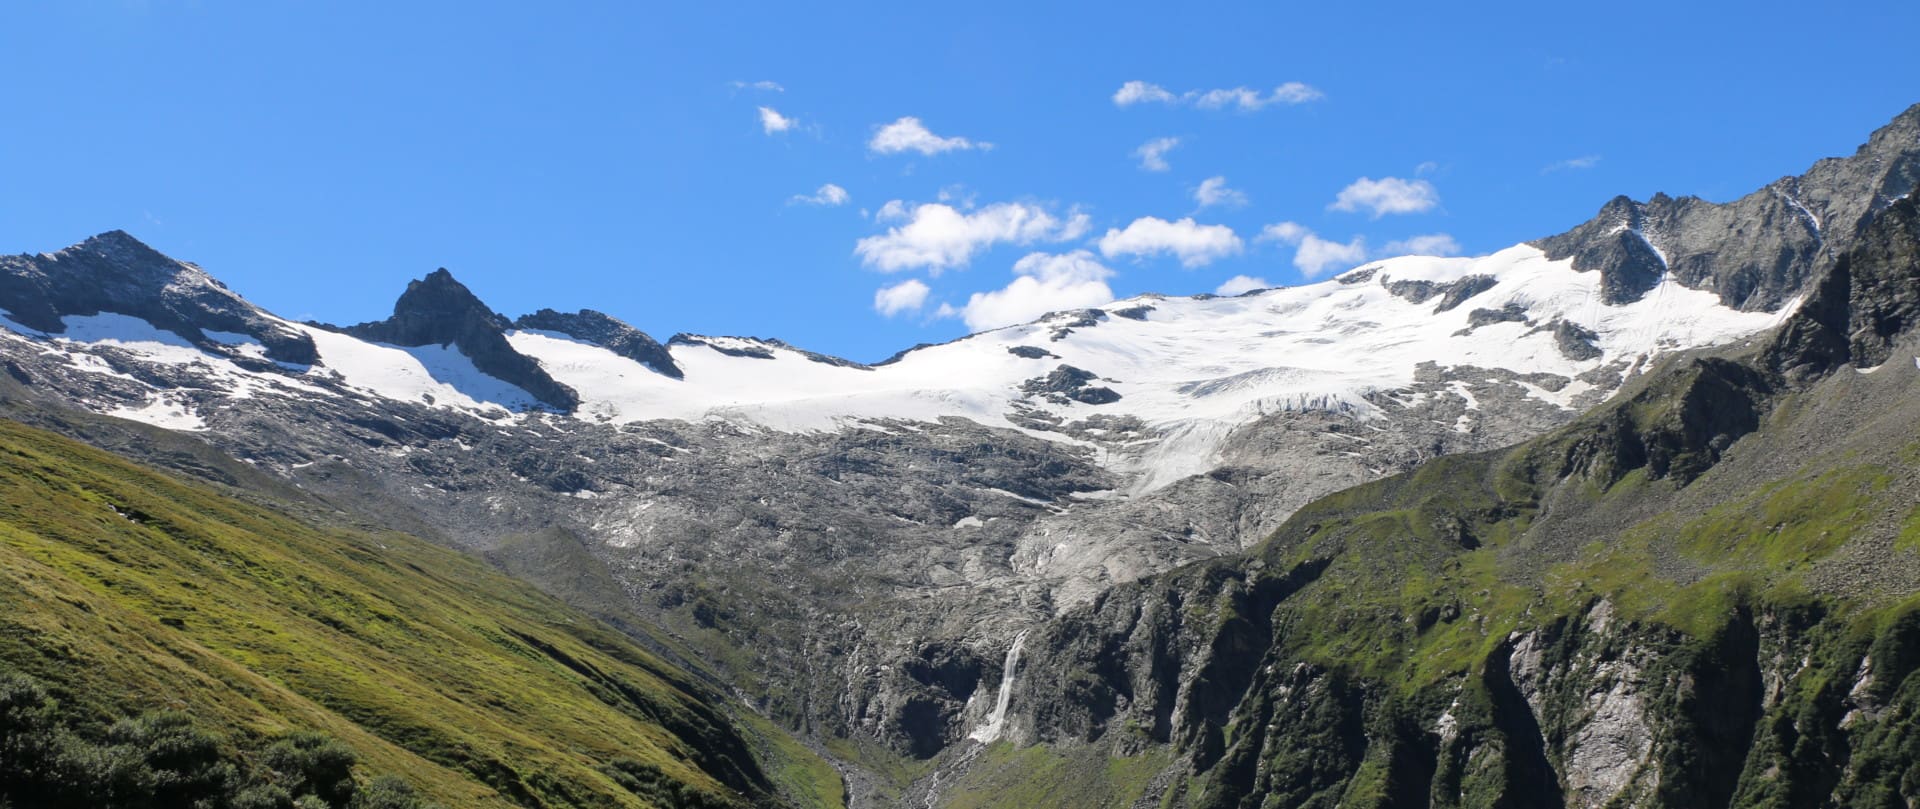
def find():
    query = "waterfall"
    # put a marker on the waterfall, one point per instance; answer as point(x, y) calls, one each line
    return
point(987, 733)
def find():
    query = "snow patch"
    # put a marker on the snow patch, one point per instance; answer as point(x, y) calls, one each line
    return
point(162, 411)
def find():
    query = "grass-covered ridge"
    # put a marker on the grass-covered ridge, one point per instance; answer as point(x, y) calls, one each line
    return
point(126, 591)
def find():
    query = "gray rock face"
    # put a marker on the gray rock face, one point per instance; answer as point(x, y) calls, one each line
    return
point(1067, 383)
point(1510, 313)
point(1758, 251)
point(761, 348)
point(438, 310)
point(1460, 291)
point(1856, 311)
point(1451, 294)
point(114, 272)
point(1031, 352)
point(607, 332)
point(1575, 341)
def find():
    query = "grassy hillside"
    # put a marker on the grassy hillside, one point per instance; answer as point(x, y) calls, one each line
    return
point(124, 591)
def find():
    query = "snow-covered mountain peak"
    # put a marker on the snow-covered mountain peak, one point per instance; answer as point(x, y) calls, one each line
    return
point(1154, 384)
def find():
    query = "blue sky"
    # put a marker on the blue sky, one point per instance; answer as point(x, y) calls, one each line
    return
point(317, 155)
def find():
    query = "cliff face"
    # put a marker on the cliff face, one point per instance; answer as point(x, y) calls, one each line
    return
point(114, 273)
point(1756, 252)
point(438, 310)
point(1703, 593)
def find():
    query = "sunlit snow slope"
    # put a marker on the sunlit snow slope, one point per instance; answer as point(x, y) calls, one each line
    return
point(1186, 371)
point(1187, 367)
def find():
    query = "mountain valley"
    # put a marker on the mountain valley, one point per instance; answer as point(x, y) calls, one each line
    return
point(1624, 516)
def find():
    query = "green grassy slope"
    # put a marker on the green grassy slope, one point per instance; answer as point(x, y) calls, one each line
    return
point(126, 590)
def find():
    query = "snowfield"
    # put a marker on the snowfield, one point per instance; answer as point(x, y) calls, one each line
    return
point(1190, 369)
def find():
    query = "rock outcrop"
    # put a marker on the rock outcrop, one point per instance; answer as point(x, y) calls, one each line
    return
point(116, 273)
point(607, 332)
point(438, 310)
point(1756, 252)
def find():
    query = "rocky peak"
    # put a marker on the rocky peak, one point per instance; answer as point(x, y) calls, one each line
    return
point(606, 332)
point(117, 273)
point(1868, 300)
point(436, 309)
point(439, 310)
point(1757, 252)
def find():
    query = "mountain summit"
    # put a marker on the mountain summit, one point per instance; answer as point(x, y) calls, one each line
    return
point(1756, 252)
point(438, 310)
point(115, 273)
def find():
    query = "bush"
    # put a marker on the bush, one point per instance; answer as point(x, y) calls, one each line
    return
point(161, 760)
point(313, 764)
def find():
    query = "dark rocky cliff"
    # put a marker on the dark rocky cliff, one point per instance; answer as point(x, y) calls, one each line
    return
point(438, 310)
point(116, 273)
point(1760, 250)
point(606, 332)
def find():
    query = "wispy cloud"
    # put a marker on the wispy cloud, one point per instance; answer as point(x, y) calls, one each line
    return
point(773, 123)
point(1387, 195)
point(1241, 98)
point(1214, 191)
point(1153, 153)
point(1573, 164)
point(1043, 282)
point(906, 296)
point(1426, 244)
point(828, 195)
point(1241, 284)
point(1314, 256)
point(909, 135)
point(1195, 244)
point(767, 86)
point(938, 236)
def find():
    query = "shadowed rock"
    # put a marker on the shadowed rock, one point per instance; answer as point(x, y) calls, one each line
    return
point(438, 310)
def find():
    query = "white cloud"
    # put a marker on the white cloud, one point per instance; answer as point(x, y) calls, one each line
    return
point(1240, 284)
point(1387, 195)
point(1316, 255)
point(1136, 92)
point(769, 86)
point(1312, 255)
point(909, 135)
point(1153, 153)
point(1242, 98)
point(1045, 282)
point(1214, 191)
point(773, 122)
point(1283, 232)
point(938, 236)
point(906, 296)
point(1573, 163)
point(829, 195)
point(1428, 244)
point(1195, 244)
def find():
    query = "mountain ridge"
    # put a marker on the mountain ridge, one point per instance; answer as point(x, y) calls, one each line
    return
point(853, 547)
